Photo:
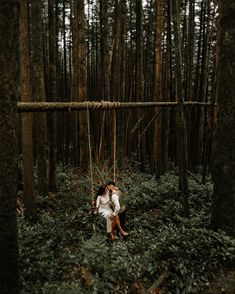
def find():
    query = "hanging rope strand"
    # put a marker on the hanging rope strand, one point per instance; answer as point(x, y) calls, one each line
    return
point(90, 151)
point(114, 143)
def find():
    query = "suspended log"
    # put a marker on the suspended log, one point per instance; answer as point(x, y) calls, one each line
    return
point(105, 105)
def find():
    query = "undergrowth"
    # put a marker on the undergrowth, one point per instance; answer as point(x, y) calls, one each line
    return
point(66, 249)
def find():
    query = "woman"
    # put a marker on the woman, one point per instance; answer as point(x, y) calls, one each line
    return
point(103, 205)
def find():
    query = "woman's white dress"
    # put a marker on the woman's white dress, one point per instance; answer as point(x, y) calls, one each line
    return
point(103, 206)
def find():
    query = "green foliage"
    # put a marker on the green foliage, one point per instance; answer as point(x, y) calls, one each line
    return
point(190, 255)
point(66, 250)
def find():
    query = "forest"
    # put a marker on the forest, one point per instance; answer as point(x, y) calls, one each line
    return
point(137, 93)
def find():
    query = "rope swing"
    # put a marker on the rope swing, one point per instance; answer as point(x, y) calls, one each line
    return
point(90, 151)
point(114, 143)
point(90, 147)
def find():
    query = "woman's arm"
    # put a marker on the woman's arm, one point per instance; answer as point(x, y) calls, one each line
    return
point(98, 202)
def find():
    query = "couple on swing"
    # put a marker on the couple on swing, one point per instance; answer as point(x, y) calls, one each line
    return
point(109, 203)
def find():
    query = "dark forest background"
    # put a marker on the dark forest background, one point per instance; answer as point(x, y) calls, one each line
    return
point(174, 161)
point(74, 51)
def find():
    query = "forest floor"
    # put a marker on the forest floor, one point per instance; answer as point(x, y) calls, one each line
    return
point(66, 250)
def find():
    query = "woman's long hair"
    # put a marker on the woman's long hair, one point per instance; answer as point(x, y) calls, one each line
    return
point(101, 190)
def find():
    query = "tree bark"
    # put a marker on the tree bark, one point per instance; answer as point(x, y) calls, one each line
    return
point(223, 213)
point(104, 61)
point(80, 83)
point(9, 271)
point(139, 72)
point(39, 94)
point(25, 89)
point(182, 146)
point(117, 88)
point(158, 91)
point(52, 97)
point(104, 73)
point(66, 96)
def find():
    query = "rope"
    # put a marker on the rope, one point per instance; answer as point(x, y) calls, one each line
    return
point(90, 151)
point(105, 105)
point(114, 143)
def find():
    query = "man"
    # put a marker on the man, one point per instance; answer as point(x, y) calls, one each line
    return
point(118, 203)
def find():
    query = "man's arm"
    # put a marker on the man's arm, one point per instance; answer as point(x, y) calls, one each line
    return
point(115, 200)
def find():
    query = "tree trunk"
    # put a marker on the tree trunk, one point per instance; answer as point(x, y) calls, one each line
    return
point(158, 91)
point(223, 214)
point(104, 72)
point(171, 87)
point(27, 140)
point(195, 113)
point(52, 97)
point(66, 126)
point(80, 83)
point(189, 64)
point(39, 95)
point(203, 82)
point(167, 93)
point(139, 72)
point(190, 51)
point(117, 74)
point(182, 148)
point(9, 273)
point(104, 78)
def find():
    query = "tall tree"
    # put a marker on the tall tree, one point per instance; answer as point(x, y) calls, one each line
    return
point(182, 146)
point(39, 94)
point(66, 96)
point(52, 96)
point(166, 89)
point(104, 47)
point(196, 112)
point(189, 50)
point(104, 70)
point(223, 214)
point(25, 89)
point(80, 76)
point(9, 275)
point(158, 90)
point(118, 73)
point(139, 69)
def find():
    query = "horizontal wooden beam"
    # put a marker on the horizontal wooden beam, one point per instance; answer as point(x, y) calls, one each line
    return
point(105, 105)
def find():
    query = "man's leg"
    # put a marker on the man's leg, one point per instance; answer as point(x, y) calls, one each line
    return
point(113, 227)
point(120, 229)
point(122, 217)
